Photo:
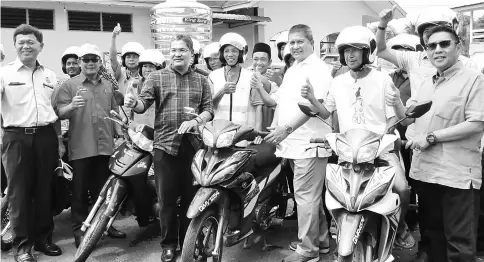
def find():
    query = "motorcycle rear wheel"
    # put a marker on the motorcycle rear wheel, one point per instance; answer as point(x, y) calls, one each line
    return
point(93, 235)
point(357, 256)
point(198, 237)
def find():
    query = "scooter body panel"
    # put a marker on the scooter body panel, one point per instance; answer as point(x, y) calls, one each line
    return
point(203, 199)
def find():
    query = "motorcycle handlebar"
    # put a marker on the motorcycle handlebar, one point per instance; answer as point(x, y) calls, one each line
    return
point(264, 134)
point(317, 140)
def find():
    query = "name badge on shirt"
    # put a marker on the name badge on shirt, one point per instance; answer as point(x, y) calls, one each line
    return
point(15, 84)
point(49, 86)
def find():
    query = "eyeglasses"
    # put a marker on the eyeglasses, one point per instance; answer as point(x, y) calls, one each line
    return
point(87, 60)
point(442, 44)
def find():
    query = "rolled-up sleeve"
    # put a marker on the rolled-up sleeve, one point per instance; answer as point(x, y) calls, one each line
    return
point(474, 107)
point(207, 104)
point(147, 95)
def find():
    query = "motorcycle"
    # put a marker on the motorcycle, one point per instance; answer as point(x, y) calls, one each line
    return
point(128, 185)
point(359, 190)
point(234, 200)
point(61, 199)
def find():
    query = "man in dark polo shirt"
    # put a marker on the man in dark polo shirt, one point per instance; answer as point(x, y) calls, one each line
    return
point(30, 145)
point(173, 88)
point(85, 100)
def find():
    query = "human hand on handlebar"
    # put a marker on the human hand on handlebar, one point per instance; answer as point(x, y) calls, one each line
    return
point(258, 140)
point(187, 126)
point(418, 143)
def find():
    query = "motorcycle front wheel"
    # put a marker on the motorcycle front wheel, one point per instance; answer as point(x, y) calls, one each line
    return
point(357, 256)
point(7, 238)
point(200, 238)
point(93, 234)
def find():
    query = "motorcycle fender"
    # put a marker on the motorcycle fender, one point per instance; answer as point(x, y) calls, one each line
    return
point(115, 196)
point(350, 227)
point(204, 198)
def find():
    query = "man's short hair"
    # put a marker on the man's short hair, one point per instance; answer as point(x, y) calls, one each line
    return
point(185, 38)
point(25, 29)
point(305, 29)
point(441, 28)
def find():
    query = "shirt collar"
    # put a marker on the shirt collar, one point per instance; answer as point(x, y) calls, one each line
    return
point(83, 78)
point(18, 64)
point(449, 72)
point(170, 68)
point(310, 59)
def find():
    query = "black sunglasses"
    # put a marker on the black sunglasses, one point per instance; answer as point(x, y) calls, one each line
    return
point(442, 44)
point(87, 60)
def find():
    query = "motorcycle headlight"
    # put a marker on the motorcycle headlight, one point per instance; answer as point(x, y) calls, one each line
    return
point(367, 152)
point(207, 137)
point(226, 139)
point(375, 195)
point(344, 151)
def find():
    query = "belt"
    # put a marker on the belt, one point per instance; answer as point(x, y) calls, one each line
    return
point(28, 130)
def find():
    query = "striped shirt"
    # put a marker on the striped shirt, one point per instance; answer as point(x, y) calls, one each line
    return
point(171, 92)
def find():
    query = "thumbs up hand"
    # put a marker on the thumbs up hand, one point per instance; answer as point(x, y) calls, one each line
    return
point(386, 16)
point(392, 96)
point(117, 30)
point(307, 91)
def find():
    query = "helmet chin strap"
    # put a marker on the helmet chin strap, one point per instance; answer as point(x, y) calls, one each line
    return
point(357, 71)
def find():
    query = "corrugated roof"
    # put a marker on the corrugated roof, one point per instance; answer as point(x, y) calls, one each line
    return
point(235, 17)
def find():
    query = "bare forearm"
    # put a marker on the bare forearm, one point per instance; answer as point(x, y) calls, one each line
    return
point(460, 131)
point(400, 110)
point(298, 121)
point(139, 107)
point(65, 112)
point(206, 116)
point(258, 118)
point(317, 106)
point(266, 98)
point(217, 97)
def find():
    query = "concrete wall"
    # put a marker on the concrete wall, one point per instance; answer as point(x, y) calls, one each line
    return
point(324, 18)
point(57, 40)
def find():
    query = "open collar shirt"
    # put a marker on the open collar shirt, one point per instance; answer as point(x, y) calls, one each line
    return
point(26, 95)
point(90, 134)
point(171, 91)
point(457, 97)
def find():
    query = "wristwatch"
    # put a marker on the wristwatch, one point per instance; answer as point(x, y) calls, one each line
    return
point(431, 138)
point(289, 129)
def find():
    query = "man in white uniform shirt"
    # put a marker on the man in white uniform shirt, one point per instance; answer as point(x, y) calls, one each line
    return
point(292, 137)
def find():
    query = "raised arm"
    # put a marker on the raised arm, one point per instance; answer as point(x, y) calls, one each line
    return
point(113, 53)
point(382, 51)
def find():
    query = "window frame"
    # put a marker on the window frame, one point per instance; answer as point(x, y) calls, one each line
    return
point(27, 18)
point(101, 21)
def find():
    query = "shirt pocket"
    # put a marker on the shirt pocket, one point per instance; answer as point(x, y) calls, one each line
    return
point(19, 94)
point(450, 112)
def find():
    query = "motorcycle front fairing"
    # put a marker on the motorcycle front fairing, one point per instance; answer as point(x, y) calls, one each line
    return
point(357, 189)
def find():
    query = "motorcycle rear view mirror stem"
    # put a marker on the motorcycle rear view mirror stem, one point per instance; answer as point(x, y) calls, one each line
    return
point(309, 112)
point(119, 97)
point(414, 111)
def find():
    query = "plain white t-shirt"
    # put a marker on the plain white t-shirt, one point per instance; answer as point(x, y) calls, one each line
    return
point(360, 104)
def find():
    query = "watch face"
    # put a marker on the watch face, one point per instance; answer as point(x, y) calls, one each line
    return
point(431, 138)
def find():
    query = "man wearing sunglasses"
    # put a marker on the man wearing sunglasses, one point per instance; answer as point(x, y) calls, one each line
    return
point(446, 162)
point(85, 100)
point(419, 69)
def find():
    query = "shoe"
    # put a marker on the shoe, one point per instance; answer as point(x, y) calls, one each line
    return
point(322, 250)
point(27, 257)
point(77, 241)
point(49, 249)
point(168, 255)
point(114, 233)
point(421, 257)
point(295, 257)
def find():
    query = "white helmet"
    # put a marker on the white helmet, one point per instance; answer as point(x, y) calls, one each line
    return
point(153, 56)
point(132, 47)
point(70, 51)
point(196, 47)
point(281, 39)
point(360, 37)
point(210, 49)
point(436, 16)
point(236, 40)
point(407, 41)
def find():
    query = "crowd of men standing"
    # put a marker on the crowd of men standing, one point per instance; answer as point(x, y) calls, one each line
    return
point(446, 166)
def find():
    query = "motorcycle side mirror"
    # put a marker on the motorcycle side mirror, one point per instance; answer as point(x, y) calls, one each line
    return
point(306, 110)
point(119, 98)
point(418, 109)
